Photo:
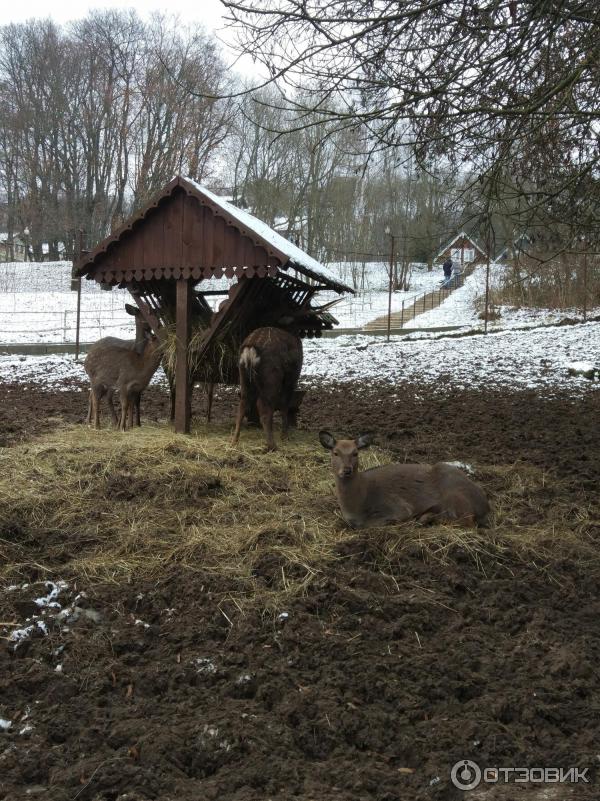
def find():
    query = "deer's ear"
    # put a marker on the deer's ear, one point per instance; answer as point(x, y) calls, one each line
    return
point(133, 310)
point(327, 440)
point(364, 440)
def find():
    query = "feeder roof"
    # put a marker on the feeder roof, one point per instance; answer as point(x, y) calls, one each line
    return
point(297, 257)
point(187, 231)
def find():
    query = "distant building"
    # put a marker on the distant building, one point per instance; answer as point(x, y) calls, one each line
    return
point(463, 250)
point(11, 249)
point(520, 245)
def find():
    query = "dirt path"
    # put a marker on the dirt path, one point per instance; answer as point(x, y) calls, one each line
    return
point(422, 304)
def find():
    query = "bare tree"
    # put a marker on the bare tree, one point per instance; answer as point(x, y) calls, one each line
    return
point(96, 116)
point(509, 90)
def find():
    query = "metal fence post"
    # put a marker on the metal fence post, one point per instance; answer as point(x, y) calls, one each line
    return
point(65, 326)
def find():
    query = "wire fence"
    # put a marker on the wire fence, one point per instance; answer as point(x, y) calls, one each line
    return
point(60, 326)
point(38, 306)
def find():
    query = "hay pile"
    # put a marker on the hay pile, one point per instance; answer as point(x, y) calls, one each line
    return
point(218, 365)
point(105, 505)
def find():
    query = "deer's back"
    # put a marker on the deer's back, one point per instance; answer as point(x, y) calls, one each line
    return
point(104, 355)
point(412, 483)
point(439, 488)
point(111, 363)
point(272, 360)
point(275, 344)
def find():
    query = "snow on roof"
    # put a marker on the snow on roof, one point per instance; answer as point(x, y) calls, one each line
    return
point(297, 257)
point(462, 235)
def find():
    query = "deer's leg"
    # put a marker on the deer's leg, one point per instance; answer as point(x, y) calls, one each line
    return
point(265, 411)
point(124, 409)
point(90, 407)
point(238, 420)
point(136, 406)
point(97, 397)
point(209, 395)
point(111, 405)
point(294, 407)
point(285, 421)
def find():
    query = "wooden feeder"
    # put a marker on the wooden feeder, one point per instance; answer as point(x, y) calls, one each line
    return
point(187, 235)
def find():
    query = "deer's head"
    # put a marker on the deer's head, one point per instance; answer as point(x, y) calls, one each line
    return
point(344, 452)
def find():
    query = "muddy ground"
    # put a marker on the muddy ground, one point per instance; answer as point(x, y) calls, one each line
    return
point(371, 686)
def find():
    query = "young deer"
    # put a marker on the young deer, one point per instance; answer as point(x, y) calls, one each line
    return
point(126, 371)
point(395, 493)
point(96, 357)
point(270, 365)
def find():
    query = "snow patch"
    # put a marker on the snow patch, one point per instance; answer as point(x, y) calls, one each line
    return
point(461, 466)
point(55, 590)
point(204, 665)
point(585, 369)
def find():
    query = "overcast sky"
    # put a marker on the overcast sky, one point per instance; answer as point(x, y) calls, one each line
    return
point(207, 12)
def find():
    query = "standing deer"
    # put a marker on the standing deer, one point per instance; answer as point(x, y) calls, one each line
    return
point(96, 356)
point(126, 371)
point(395, 493)
point(270, 364)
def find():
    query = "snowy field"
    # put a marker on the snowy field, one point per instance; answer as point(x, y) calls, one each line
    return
point(38, 306)
point(463, 307)
point(372, 297)
point(533, 359)
point(538, 358)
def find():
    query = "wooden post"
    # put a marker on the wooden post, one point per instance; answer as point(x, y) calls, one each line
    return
point(78, 321)
point(402, 317)
point(182, 383)
point(390, 288)
point(585, 282)
point(487, 283)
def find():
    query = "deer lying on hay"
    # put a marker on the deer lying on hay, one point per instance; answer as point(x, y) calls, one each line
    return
point(128, 371)
point(270, 364)
point(395, 493)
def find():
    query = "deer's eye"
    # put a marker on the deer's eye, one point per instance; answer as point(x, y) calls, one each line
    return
point(354, 453)
point(336, 453)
